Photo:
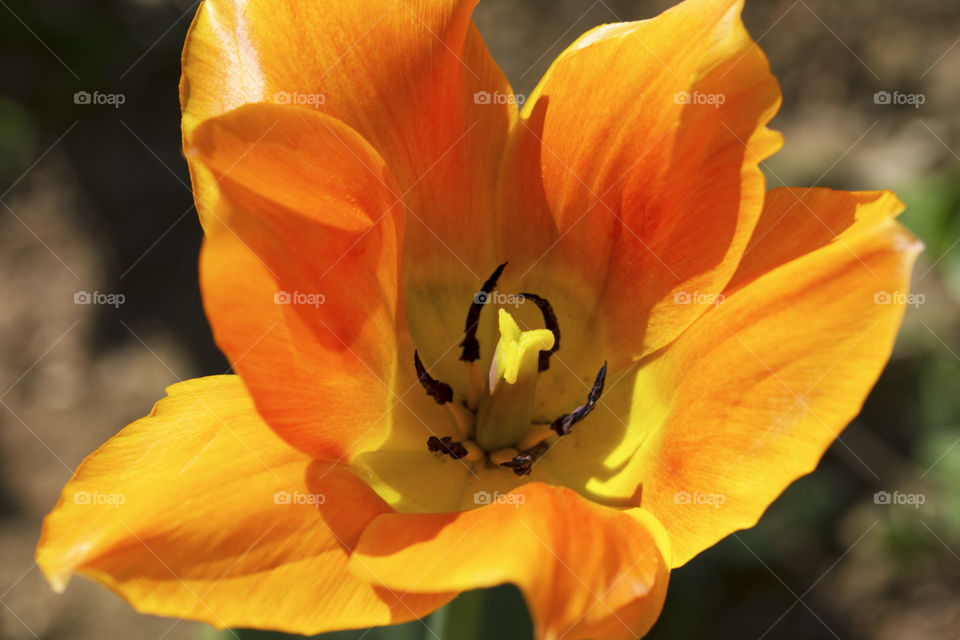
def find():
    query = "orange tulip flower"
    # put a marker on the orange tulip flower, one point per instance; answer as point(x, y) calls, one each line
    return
point(360, 170)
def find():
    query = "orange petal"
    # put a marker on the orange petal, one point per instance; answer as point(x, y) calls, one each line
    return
point(299, 270)
point(628, 194)
point(586, 570)
point(402, 74)
point(750, 397)
point(199, 511)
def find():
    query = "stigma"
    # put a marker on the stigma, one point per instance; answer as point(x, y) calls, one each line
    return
point(494, 418)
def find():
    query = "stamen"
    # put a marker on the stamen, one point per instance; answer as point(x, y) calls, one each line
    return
point(470, 344)
point(441, 391)
point(549, 319)
point(447, 446)
point(462, 418)
point(501, 456)
point(564, 423)
point(474, 452)
point(474, 385)
point(537, 434)
point(522, 464)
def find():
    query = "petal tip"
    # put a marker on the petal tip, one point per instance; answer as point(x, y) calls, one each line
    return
point(56, 574)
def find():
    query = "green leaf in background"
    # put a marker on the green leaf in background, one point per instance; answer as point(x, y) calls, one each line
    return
point(18, 139)
point(486, 614)
point(933, 214)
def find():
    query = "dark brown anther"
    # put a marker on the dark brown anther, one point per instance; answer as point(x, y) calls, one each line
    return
point(440, 391)
point(564, 423)
point(549, 319)
point(470, 344)
point(522, 465)
point(447, 446)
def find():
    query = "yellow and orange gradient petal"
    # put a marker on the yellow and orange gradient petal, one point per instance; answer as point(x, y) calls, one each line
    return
point(586, 571)
point(402, 74)
point(200, 511)
point(629, 187)
point(751, 395)
point(306, 214)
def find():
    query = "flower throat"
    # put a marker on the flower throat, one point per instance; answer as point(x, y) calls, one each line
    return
point(494, 421)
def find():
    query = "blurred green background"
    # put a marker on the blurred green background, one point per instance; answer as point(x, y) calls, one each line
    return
point(97, 198)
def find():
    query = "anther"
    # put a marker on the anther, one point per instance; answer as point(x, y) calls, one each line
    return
point(470, 344)
point(564, 423)
point(522, 464)
point(447, 446)
point(441, 391)
point(549, 319)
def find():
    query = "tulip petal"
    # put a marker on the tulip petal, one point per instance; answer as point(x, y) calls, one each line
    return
point(751, 396)
point(610, 583)
point(199, 511)
point(412, 77)
point(635, 168)
point(299, 270)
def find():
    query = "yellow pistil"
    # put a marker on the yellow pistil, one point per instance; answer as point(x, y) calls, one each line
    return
point(506, 409)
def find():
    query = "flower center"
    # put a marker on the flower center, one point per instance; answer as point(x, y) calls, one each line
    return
point(506, 410)
point(494, 420)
